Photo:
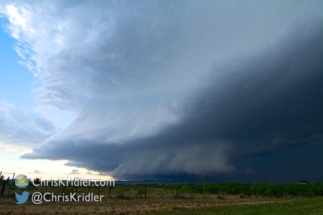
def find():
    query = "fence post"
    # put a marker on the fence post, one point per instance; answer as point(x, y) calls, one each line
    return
point(3, 187)
point(10, 182)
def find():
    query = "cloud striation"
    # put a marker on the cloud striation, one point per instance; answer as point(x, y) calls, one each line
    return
point(182, 89)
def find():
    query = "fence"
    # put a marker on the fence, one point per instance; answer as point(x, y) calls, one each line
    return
point(6, 182)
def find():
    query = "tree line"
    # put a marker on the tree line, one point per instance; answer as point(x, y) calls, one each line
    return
point(256, 189)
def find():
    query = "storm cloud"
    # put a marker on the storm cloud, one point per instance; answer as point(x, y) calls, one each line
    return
point(163, 89)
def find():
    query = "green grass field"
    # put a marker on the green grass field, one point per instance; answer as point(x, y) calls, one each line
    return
point(304, 206)
point(160, 200)
point(160, 206)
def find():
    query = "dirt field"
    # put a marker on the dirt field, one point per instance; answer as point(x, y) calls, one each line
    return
point(124, 201)
point(139, 205)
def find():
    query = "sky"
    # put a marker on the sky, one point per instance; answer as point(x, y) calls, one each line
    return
point(162, 90)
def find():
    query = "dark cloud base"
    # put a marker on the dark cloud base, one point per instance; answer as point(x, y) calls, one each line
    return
point(258, 117)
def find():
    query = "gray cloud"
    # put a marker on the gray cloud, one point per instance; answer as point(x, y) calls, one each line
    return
point(164, 89)
point(254, 105)
point(23, 128)
point(37, 172)
point(74, 172)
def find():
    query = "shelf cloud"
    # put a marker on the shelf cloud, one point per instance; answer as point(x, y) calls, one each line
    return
point(160, 89)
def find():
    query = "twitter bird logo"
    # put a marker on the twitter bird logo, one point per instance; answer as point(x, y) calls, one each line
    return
point(21, 199)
